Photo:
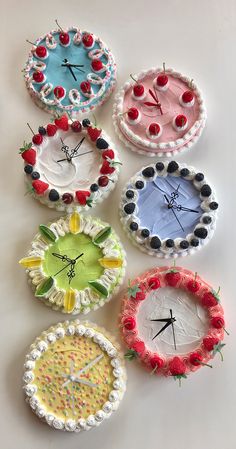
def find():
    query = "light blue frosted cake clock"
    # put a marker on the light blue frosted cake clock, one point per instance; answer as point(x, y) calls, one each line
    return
point(168, 209)
point(69, 70)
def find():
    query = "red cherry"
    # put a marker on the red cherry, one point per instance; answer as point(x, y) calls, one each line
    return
point(138, 90)
point(210, 342)
point(187, 96)
point(193, 286)
point(38, 77)
point(218, 322)
point(156, 362)
point(37, 139)
point(41, 51)
point(87, 40)
point(64, 38)
point(195, 359)
point(129, 323)
point(67, 198)
point(154, 283)
point(209, 300)
point(59, 92)
point(177, 366)
point(108, 153)
point(162, 80)
point(97, 65)
point(133, 113)
point(154, 129)
point(85, 86)
point(172, 278)
point(51, 129)
point(103, 181)
point(76, 126)
point(180, 120)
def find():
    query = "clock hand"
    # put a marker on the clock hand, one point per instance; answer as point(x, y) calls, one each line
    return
point(90, 364)
point(85, 382)
point(71, 272)
point(172, 325)
point(175, 194)
point(74, 150)
point(185, 209)
point(63, 258)
point(72, 73)
point(65, 149)
point(162, 320)
point(164, 327)
point(170, 206)
point(71, 262)
point(82, 154)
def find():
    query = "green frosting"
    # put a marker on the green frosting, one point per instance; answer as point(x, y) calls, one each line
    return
point(87, 267)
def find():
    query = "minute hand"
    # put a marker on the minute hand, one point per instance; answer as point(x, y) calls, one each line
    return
point(186, 209)
point(163, 328)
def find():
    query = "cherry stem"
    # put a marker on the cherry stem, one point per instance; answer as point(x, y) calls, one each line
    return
point(132, 77)
point(154, 370)
point(123, 113)
point(94, 120)
point(164, 67)
point(221, 355)
point(111, 180)
point(218, 291)
point(29, 42)
point(30, 128)
point(226, 331)
point(205, 364)
point(195, 278)
point(191, 84)
point(59, 25)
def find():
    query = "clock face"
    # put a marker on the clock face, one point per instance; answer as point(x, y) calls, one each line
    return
point(71, 71)
point(159, 111)
point(168, 209)
point(74, 376)
point(75, 264)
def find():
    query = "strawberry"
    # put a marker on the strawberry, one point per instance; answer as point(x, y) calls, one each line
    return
point(93, 133)
point(138, 346)
point(129, 323)
point(39, 186)
point(108, 154)
point(37, 139)
point(210, 342)
point(62, 122)
point(172, 277)
point(136, 292)
point(177, 367)
point(106, 169)
point(28, 153)
point(154, 283)
point(210, 299)
point(156, 362)
point(51, 129)
point(82, 196)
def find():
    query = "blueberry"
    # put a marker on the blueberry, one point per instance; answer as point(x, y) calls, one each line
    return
point(184, 244)
point(155, 243)
point(184, 172)
point(35, 175)
point(86, 123)
point(101, 144)
point(53, 195)
point(207, 219)
point(206, 190)
point(199, 177)
point(201, 233)
point(148, 172)
point(139, 184)
point(145, 233)
point(170, 243)
point(129, 194)
point(172, 167)
point(42, 131)
point(194, 242)
point(160, 166)
point(94, 187)
point(28, 169)
point(129, 208)
point(133, 226)
point(213, 205)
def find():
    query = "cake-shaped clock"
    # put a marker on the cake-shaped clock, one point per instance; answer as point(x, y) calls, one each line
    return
point(70, 164)
point(168, 209)
point(74, 376)
point(75, 264)
point(172, 321)
point(159, 112)
point(69, 70)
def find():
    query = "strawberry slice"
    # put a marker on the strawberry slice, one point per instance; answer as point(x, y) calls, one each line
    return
point(108, 154)
point(51, 129)
point(93, 133)
point(62, 122)
point(39, 186)
point(82, 196)
point(106, 169)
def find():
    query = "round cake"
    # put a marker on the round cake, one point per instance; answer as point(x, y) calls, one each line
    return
point(69, 70)
point(70, 164)
point(172, 321)
point(74, 376)
point(168, 209)
point(75, 264)
point(159, 112)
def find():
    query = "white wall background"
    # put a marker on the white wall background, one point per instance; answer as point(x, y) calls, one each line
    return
point(197, 38)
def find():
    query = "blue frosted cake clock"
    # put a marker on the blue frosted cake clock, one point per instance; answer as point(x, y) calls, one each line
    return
point(69, 70)
point(169, 209)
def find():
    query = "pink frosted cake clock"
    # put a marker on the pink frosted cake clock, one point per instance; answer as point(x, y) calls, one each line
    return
point(159, 112)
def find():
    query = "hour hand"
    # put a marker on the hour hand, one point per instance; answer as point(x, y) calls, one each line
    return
point(168, 323)
point(64, 258)
point(185, 209)
point(162, 320)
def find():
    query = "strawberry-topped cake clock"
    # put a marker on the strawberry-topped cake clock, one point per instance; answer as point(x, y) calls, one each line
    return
point(75, 264)
point(159, 112)
point(169, 209)
point(69, 70)
point(172, 321)
point(70, 164)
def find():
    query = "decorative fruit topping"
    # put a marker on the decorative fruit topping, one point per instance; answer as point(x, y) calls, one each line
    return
point(76, 126)
point(172, 167)
point(82, 197)
point(97, 65)
point(180, 121)
point(209, 343)
point(59, 92)
point(193, 286)
point(156, 362)
point(28, 153)
point(106, 169)
point(41, 51)
point(211, 299)
point(154, 283)
point(172, 277)
point(86, 122)
point(64, 38)
point(108, 154)
point(129, 323)
point(38, 77)
point(53, 195)
point(162, 80)
point(103, 181)
point(42, 130)
point(154, 129)
point(177, 368)
point(37, 139)
point(187, 96)
point(218, 322)
point(85, 86)
point(94, 187)
point(62, 122)
point(67, 198)
point(136, 292)
point(94, 133)
point(138, 346)
point(129, 208)
point(196, 359)
point(40, 186)
point(51, 129)
point(138, 90)
point(102, 144)
point(28, 169)
point(88, 40)
point(35, 175)
point(133, 113)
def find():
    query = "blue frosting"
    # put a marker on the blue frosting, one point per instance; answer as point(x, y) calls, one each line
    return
point(61, 76)
point(154, 213)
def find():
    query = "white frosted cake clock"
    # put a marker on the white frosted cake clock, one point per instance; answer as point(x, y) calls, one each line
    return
point(70, 164)
point(69, 70)
point(168, 209)
point(159, 112)
point(74, 376)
